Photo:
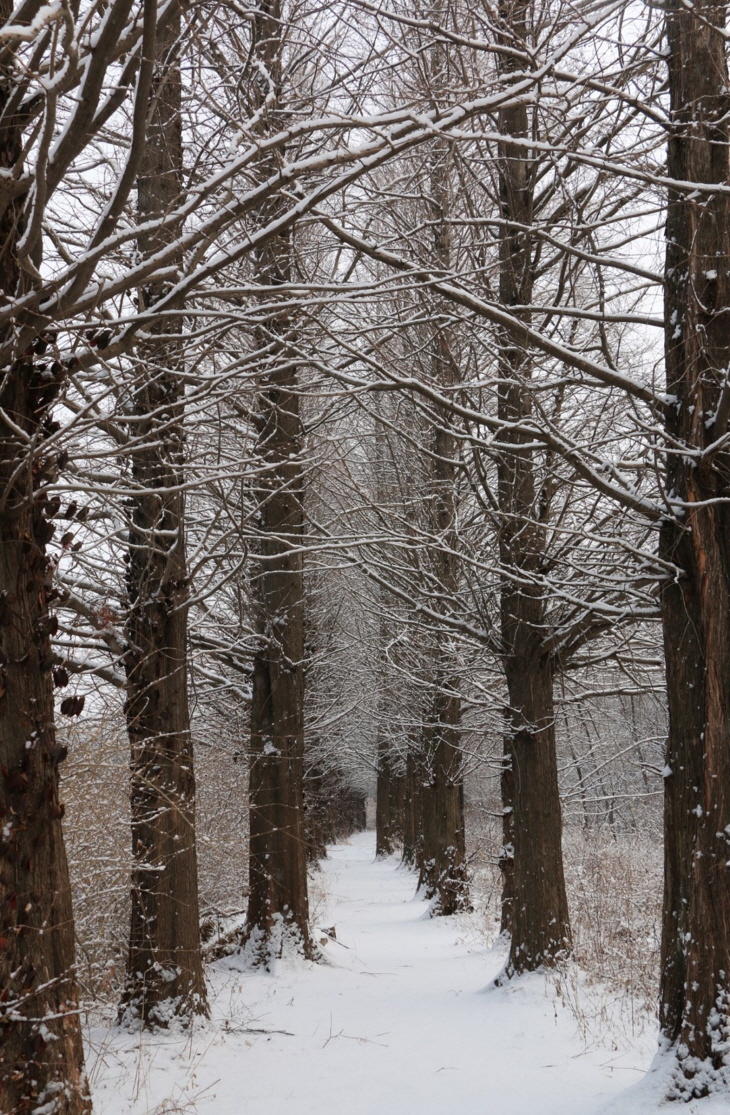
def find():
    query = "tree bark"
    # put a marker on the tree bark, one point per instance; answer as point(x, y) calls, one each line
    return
point(507, 852)
point(164, 977)
point(412, 836)
point(695, 963)
point(397, 806)
point(278, 898)
point(540, 923)
point(41, 1052)
point(384, 834)
point(443, 874)
point(389, 803)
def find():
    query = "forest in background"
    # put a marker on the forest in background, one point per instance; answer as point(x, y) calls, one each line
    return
point(363, 434)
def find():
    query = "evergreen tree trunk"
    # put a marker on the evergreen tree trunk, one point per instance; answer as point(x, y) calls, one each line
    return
point(540, 923)
point(41, 1052)
point(164, 976)
point(278, 906)
point(695, 965)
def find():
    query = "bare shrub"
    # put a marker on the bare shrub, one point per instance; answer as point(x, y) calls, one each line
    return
point(96, 793)
point(614, 882)
point(222, 819)
point(615, 890)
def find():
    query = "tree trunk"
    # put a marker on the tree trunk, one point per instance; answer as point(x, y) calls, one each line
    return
point(397, 806)
point(412, 836)
point(278, 905)
point(315, 810)
point(278, 899)
point(443, 874)
point(507, 852)
point(443, 877)
point(695, 964)
point(541, 929)
point(540, 923)
point(41, 1052)
point(164, 976)
point(384, 835)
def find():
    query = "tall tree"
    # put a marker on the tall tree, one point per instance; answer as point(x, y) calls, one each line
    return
point(386, 827)
point(441, 797)
point(278, 905)
point(507, 851)
point(164, 976)
point(41, 1053)
point(695, 964)
point(540, 926)
point(412, 834)
point(389, 784)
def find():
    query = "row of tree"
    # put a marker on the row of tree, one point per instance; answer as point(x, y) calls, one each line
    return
point(303, 313)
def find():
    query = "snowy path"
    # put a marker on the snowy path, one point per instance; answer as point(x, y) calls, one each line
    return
point(397, 1021)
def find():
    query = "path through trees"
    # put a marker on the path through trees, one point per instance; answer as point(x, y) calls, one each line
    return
point(399, 1018)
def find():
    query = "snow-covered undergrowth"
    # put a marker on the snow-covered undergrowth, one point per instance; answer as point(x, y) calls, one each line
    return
point(614, 883)
point(97, 833)
point(399, 1017)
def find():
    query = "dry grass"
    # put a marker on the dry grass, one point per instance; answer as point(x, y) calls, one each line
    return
point(614, 884)
point(95, 790)
point(615, 892)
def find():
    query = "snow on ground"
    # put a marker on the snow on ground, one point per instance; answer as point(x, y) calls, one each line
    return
point(399, 1019)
